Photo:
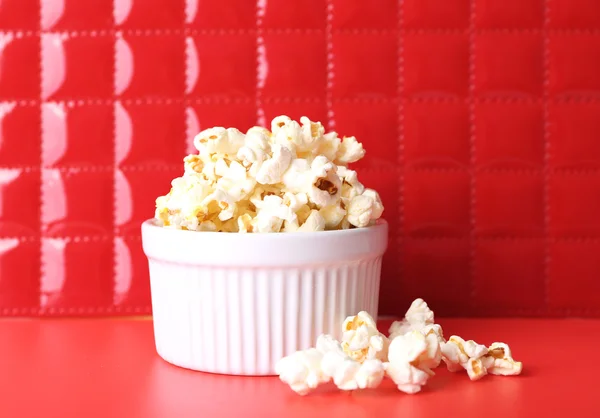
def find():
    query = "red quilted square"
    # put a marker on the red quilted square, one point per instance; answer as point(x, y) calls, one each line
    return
point(436, 134)
point(77, 202)
point(509, 274)
point(67, 283)
point(19, 202)
point(19, 135)
point(364, 65)
point(377, 14)
point(77, 15)
point(425, 54)
point(19, 275)
point(509, 64)
point(149, 134)
point(509, 203)
point(574, 267)
point(67, 138)
point(206, 115)
point(20, 75)
point(574, 135)
point(510, 13)
point(164, 54)
point(437, 14)
point(77, 67)
point(136, 196)
point(132, 286)
point(217, 69)
point(575, 63)
point(150, 14)
point(575, 204)
point(293, 65)
point(314, 110)
point(437, 203)
point(221, 14)
point(509, 135)
point(370, 123)
point(574, 14)
point(297, 14)
point(437, 270)
point(19, 14)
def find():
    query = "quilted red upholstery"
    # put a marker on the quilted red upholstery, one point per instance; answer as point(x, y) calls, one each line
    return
point(480, 119)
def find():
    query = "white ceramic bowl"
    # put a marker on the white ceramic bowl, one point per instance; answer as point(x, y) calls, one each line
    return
point(236, 303)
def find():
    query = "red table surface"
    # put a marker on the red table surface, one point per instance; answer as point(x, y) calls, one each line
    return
point(109, 368)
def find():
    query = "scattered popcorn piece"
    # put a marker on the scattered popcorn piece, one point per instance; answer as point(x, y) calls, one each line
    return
point(302, 370)
point(499, 361)
point(410, 357)
point(362, 340)
point(347, 373)
point(418, 318)
point(460, 354)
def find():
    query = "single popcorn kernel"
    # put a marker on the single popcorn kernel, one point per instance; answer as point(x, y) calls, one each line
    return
point(361, 340)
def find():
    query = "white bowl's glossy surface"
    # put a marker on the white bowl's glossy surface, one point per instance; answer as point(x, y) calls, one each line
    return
point(236, 303)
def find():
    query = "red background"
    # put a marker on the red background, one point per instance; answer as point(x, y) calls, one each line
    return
point(480, 119)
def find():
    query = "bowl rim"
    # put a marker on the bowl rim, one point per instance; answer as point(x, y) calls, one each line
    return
point(224, 249)
point(379, 224)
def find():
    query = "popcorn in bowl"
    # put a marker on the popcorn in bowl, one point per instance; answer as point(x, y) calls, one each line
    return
point(293, 178)
point(415, 347)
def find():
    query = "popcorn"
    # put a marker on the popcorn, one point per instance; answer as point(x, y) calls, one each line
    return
point(270, 214)
point(460, 354)
point(226, 184)
point(325, 185)
point(347, 373)
point(272, 169)
point(365, 208)
point(418, 318)
point(225, 202)
point(351, 187)
point(364, 356)
point(220, 141)
point(256, 147)
point(314, 222)
point(410, 359)
point(302, 370)
point(245, 223)
point(361, 340)
point(333, 215)
point(499, 361)
point(350, 151)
